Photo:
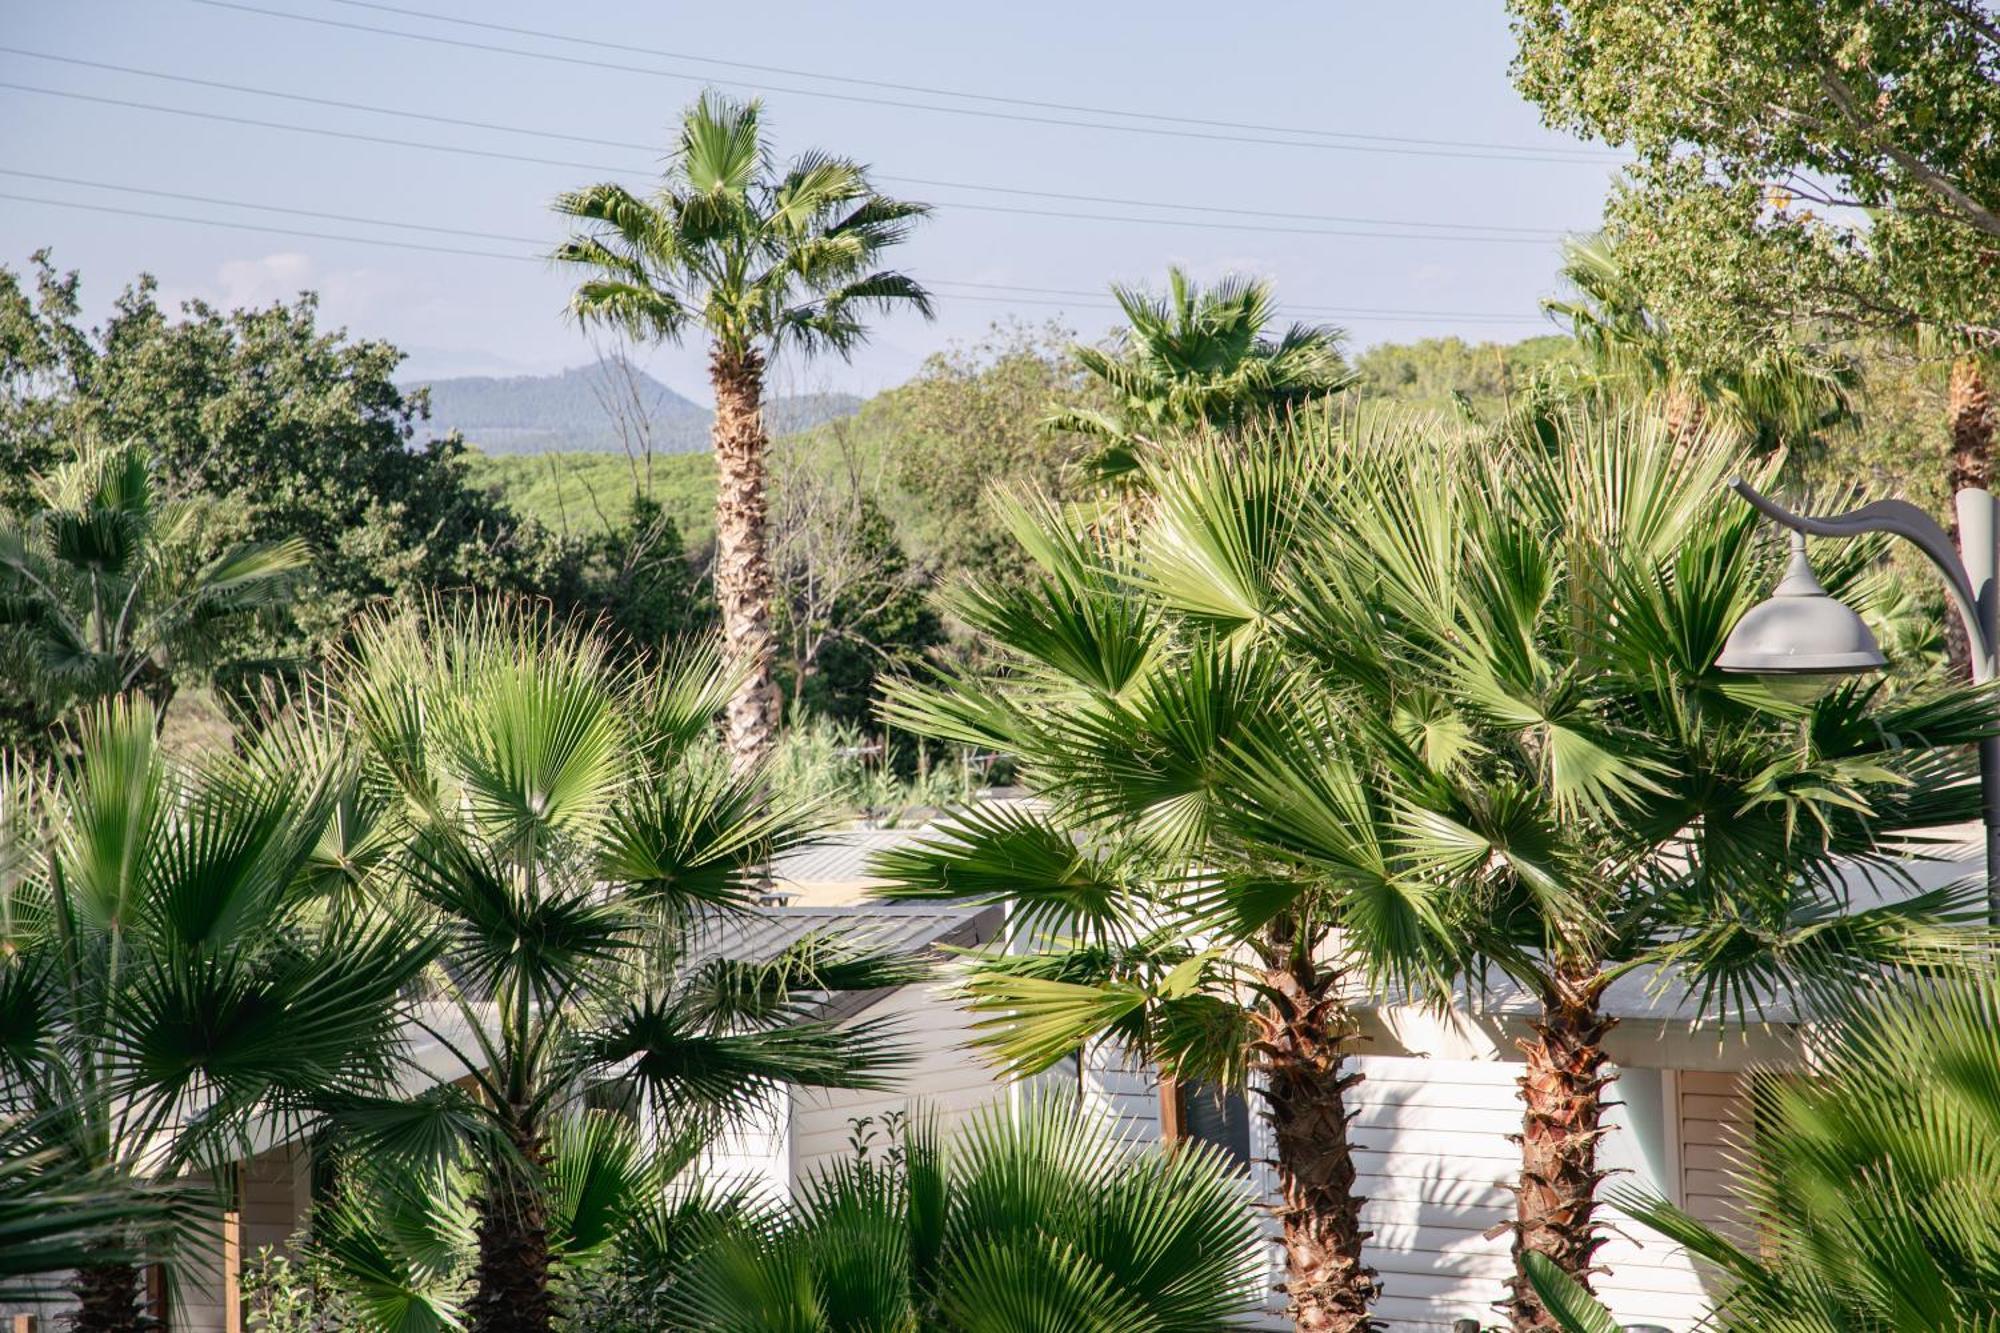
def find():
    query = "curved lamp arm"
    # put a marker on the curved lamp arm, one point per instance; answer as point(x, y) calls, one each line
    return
point(1899, 518)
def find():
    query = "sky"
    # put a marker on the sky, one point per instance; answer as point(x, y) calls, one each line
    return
point(1372, 160)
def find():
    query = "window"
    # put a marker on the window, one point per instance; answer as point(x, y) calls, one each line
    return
point(1212, 1115)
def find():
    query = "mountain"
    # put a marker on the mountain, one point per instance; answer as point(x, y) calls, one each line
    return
point(581, 411)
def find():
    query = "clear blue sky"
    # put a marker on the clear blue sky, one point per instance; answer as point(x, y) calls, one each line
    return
point(1417, 69)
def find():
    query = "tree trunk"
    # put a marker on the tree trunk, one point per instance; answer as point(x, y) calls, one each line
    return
point(1684, 412)
point(742, 553)
point(1562, 1090)
point(108, 1300)
point(1969, 408)
point(1302, 1051)
point(511, 1279)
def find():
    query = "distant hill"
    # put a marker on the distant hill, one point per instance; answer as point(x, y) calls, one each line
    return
point(573, 412)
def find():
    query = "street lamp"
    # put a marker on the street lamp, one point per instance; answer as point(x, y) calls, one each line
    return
point(1801, 640)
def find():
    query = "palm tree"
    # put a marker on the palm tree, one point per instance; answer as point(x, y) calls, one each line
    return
point(763, 261)
point(1868, 1184)
point(58, 1213)
point(1602, 800)
point(391, 1249)
point(1373, 705)
point(1779, 395)
point(171, 969)
point(1198, 359)
point(562, 826)
point(1212, 914)
point(1029, 1221)
point(111, 587)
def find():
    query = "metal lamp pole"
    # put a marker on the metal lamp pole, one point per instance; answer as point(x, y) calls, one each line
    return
point(1789, 635)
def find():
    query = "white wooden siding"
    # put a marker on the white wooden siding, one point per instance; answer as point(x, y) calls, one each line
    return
point(1715, 1124)
point(1436, 1164)
point(945, 1078)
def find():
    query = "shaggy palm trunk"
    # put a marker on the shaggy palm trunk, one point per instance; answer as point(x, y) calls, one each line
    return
point(1969, 408)
point(108, 1300)
point(1562, 1091)
point(511, 1279)
point(1684, 413)
point(742, 553)
point(1302, 1051)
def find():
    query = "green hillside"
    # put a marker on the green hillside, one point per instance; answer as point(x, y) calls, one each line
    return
point(584, 492)
point(580, 489)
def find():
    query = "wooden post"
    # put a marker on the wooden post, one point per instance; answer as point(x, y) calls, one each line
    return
point(1173, 1111)
point(232, 1255)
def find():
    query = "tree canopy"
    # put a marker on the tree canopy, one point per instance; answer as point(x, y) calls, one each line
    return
point(1821, 160)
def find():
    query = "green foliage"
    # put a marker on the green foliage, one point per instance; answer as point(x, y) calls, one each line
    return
point(638, 579)
point(577, 495)
point(1443, 374)
point(758, 260)
point(1193, 360)
point(1393, 701)
point(168, 947)
point(297, 434)
point(848, 607)
point(59, 1210)
point(968, 423)
point(1867, 1185)
point(287, 1295)
point(563, 825)
point(840, 766)
point(109, 586)
point(1779, 395)
point(1573, 1308)
point(1027, 1221)
point(1798, 162)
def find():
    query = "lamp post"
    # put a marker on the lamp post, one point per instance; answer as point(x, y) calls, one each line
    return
point(1801, 640)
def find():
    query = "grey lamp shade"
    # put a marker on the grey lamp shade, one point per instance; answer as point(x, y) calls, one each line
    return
point(1800, 631)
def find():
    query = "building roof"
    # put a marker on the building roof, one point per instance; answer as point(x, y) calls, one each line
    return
point(897, 928)
point(839, 858)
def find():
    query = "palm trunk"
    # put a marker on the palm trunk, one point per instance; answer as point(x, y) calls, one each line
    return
point(1969, 408)
point(1684, 413)
point(108, 1300)
point(1302, 1051)
point(742, 554)
point(511, 1279)
point(1562, 1090)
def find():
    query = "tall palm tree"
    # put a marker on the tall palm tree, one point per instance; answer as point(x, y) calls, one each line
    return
point(171, 969)
point(1028, 1221)
point(1868, 1184)
point(111, 587)
point(1198, 358)
point(762, 260)
point(564, 828)
point(1605, 802)
point(1212, 914)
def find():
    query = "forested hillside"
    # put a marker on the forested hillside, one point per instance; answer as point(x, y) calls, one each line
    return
point(603, 408)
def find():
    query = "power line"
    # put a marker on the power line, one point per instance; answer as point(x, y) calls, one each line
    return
point(1344, 311)
point(258, 226)
point(275, 208)
point(1536, 155)
point(460, 122)
point(994, 98)
point(494, 154)
point(1095, 299)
